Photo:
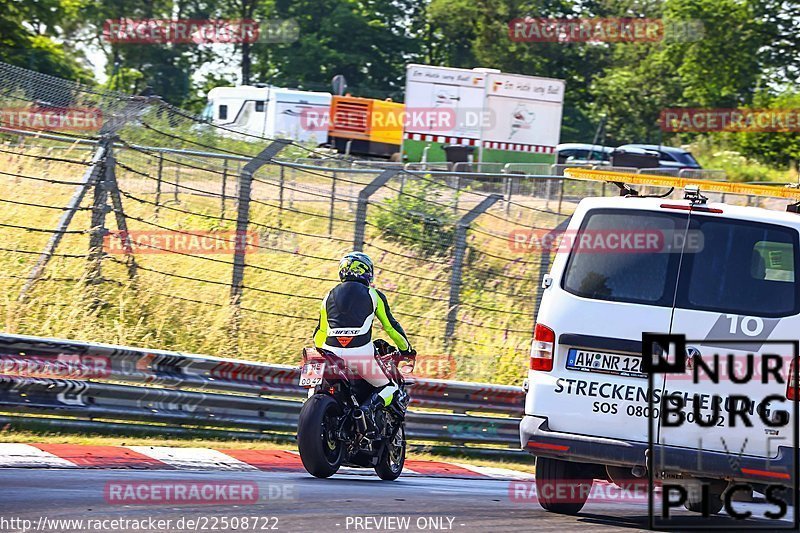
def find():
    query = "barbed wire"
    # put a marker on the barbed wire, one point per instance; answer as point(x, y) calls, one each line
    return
point(39, 252)
point(46, 180)
point(227, 219)
point(277, 229)
point(326, 156)
point(44, 206)
point(242, 308)
point(48, 158)
point(252, 200)
point(45, 230)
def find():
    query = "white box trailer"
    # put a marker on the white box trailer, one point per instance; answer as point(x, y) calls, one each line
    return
point(507, 118)
point(271, 112)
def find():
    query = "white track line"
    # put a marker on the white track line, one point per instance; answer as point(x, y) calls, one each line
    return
point(14, 455)
point(193, 458)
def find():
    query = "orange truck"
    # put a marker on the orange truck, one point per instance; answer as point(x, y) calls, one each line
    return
point(366, 127)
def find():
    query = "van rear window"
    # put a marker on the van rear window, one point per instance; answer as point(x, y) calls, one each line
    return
point(742, 267)
point(625, 276)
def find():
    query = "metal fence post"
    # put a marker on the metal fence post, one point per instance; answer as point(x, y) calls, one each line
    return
point(456, 193)
point(333, 202)
point(458, 260)
point(224, 186)
point(158, 182)
point(177, 184)
point(548, 191)
point(116, 201)
point(89, 178)
point(560, 194)
point(242, 222)
point(281, 181)
point(100, 208)
point(509, 185)
point(363, 200)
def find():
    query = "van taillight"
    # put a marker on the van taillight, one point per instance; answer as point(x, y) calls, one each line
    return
point(542, 348)
point(791, 387)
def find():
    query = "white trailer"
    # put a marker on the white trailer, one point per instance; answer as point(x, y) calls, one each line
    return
point(271, 112)
point(506, 118)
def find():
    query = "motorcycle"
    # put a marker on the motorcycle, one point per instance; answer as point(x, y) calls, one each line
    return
point(333, 430)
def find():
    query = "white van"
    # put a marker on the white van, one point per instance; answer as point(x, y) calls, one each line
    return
point(271, 112)
point(720, 273)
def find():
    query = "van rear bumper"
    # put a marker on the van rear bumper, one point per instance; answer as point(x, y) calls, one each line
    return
point(537, 439)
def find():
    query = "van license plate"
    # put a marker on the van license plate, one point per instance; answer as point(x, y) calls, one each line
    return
point(605, 363)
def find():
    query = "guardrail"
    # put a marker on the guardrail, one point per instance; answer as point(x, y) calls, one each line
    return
point(87, 384)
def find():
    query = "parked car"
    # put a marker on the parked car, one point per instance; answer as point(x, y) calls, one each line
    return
point(630, 157)
point(582, 154)
point(669, 157)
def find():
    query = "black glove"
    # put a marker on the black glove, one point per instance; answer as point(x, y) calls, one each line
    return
point(411, 353)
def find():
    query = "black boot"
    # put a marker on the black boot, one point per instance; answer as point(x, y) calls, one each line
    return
point(371, 406)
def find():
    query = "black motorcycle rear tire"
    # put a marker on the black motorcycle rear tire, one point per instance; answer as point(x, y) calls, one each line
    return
point(385, 468)
point(319, 459)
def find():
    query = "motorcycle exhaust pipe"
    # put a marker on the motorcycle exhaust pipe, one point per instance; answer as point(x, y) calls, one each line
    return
point(361, 421)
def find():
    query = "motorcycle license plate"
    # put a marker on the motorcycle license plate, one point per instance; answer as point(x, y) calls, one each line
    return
point(312, 374)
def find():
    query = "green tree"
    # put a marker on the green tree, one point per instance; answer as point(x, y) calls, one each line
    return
point(470, 34)
point(30, 35)
point(776, 148)
point(721, 66)
point(164, 69)
point(366, 41)
point(449, 32)
point(724, 65)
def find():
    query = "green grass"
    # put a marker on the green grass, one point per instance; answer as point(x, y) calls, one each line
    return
point(737, 167)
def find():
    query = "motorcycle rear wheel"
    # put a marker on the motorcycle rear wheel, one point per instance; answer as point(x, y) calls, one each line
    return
point(320, 450)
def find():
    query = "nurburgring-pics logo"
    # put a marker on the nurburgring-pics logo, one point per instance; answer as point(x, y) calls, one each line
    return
point(725, 434)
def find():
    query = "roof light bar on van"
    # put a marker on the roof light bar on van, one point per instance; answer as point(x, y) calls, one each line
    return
point(681, 183)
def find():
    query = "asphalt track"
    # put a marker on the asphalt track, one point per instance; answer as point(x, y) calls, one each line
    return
point(298, 502)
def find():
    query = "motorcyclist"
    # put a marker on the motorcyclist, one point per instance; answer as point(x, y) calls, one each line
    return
point(345, 327)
